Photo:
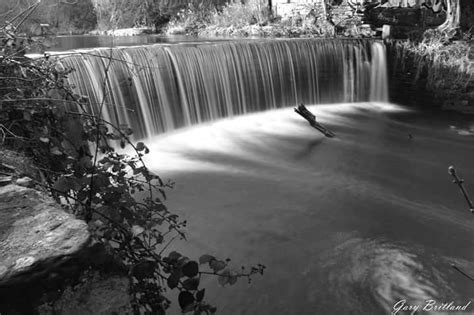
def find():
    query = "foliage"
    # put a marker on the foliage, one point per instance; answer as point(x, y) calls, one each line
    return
point(247, 19)
point(238, 15)
point(113, 14)
point(115, 193)
point(196, 18)
point(191, 19)
point(445, 62)
point(65, 17)
point(467, 15)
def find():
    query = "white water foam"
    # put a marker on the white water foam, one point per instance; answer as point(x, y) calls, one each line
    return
point(170, 151)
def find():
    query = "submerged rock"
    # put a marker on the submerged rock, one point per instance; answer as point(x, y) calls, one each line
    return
point(35, 234)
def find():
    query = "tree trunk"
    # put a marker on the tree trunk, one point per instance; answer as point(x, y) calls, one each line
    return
point(453, 16)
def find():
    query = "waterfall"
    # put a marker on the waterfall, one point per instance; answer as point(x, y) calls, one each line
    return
point(378, 77)
point(158, 88)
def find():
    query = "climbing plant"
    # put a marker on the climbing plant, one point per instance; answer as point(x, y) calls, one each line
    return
point(82, 165)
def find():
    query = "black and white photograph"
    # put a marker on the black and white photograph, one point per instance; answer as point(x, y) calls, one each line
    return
point(236, 157)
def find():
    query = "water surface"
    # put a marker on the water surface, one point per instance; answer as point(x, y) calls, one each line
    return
point(70, 42)
point(348, 225)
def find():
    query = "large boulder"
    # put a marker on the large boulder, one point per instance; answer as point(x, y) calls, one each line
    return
point(48, 265)
point(35, 234)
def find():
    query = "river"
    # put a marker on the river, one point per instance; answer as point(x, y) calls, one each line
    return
point(349, 225)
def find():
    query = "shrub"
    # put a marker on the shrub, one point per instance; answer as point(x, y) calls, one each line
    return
point(444, 61)
point(191, 19)
point(240, 15)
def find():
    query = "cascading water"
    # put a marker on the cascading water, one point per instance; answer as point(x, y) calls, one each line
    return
point(378, 76)
point(159, 88)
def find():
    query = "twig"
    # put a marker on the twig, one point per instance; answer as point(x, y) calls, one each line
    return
point(462, 272)
point(168, 244)
point(460, 183)
point(311, 118)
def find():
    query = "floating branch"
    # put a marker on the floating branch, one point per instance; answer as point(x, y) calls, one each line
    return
point(311, 118)
point(462, 272)
point(460, 183)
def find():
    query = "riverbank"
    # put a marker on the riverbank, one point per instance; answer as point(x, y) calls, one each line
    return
point(435, 71)
point(253, 19)
point(291, 28)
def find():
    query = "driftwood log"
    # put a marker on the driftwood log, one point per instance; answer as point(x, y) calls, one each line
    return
point(311, 118)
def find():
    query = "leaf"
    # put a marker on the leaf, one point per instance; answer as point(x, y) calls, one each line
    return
point(143, 269)
point(191, 269)
point(138, 170)
point(55, 151)
point(173, 217)
point(205, 259)
point(191, 284)
point(185, 299)
point(54, 94)
point(44, 139)
point(85, 162)
point(174, 255)
point(137, 230)
point(113, 136)
point(232, 279)
point(140, 146)
point(217, 265)
point(27, 116)
point(59, 111)
point(114, 244)
point(64, 184)
point(189, 308)
point(173, 280)
point(223, 278)
point(200, 295)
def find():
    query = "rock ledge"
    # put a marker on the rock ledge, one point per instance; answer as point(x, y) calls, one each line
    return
point(35, 234)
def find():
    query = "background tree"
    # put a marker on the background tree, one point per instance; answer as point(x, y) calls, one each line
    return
point(62, 16)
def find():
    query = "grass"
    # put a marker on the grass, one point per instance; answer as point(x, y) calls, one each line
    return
point(446, 62)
